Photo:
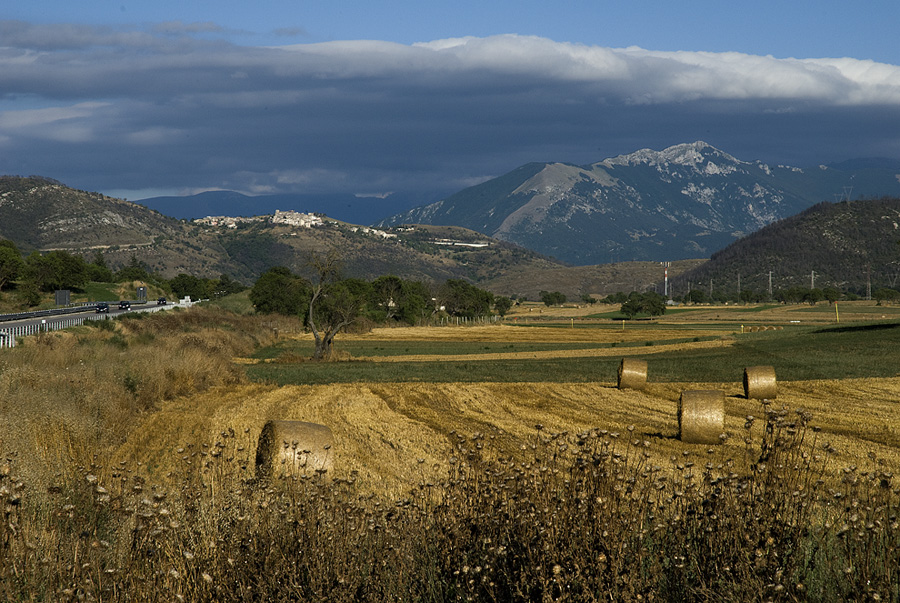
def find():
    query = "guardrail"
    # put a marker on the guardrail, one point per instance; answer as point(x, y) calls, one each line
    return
point(53, 312)
point(8, 335)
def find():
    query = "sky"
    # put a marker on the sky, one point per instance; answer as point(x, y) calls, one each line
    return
point(137, 99)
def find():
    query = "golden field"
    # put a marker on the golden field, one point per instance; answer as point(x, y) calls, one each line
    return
point(383, 431)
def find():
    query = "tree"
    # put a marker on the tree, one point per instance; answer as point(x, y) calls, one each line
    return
point(885, 294)
point(226, 286)
point(333, 304)
point(650, 303)
point(696, 296)
point(459, 298)
point(134, 271)
point(502, 305)
point(618, 297)
point(56, 270)
point(554, 298)
point(11, 263)
point(588, 299)
point(813, 296)
point(186, 285)
point(98, 271)
point(386, 295)
point(832, 294)
point(415, 302)
point(279, 291)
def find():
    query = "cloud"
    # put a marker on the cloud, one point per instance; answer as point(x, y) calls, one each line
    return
point(168, 108)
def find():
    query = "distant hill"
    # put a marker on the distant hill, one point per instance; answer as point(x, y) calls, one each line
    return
point(686, 201)
point(42, 214)
point(848, 245)
point(599, 280)
point(344, 207)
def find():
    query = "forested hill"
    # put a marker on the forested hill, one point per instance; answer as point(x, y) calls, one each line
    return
point(846, 245)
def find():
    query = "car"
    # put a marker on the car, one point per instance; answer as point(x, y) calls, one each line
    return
point(102, 307)
point(161, 301)
point(124, 305)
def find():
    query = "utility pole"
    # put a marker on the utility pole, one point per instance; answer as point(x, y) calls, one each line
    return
point(868, 282)
point(812, 279)
point(770, 283)
point(739, 284)
point(666, 290)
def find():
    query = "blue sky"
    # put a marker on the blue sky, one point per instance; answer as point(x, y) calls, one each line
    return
point(139, 98)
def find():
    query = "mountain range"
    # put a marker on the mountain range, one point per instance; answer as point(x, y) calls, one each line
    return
point(686, 201)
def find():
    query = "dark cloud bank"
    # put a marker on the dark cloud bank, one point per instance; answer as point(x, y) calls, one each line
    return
point(108, 109)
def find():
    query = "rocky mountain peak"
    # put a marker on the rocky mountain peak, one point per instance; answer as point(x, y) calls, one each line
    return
point(694, 154)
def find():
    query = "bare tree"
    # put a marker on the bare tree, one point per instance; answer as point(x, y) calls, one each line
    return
point(333, 304)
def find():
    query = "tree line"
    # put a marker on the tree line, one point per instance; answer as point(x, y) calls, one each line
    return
point(36, 274)
point(330, 303)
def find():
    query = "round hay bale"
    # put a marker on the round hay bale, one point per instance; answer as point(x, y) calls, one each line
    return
point(293, 448)
point(760, 383)
point(632, 373)
point(701, 416)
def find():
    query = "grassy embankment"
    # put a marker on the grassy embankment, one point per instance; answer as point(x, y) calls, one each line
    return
point(444, 489)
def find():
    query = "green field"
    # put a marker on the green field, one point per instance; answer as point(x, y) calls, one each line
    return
point(866, 350)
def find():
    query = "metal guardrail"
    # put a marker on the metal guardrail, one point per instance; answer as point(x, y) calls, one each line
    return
point(40, 313)
point(8, 335)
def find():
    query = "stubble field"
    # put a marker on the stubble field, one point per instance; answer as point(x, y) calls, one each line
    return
point(394, 429)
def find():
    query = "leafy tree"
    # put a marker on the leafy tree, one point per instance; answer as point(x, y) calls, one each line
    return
point(186, 285)
point(554, 298)
point(650, 303)
point(29, 294)
point(386, 295)
point(813, 296)
point(98, 271)
point(588, 299)
point(459, 298)
point(134, 271)
point(226, 286)
point(502, 305)
point(56, 270)
point(415, 302)
point(696, 296)
point(884, 294)
point(791, 295)
point(616, 298)
point(280, 291)
point(11, 263)
point(832, 294)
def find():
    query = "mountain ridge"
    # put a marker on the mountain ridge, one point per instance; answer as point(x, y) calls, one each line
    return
point(686, 201)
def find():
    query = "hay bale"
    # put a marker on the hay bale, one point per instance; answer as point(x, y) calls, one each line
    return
point(701, 416)
point(759, 383)
point(632, 373)
point(293, 448)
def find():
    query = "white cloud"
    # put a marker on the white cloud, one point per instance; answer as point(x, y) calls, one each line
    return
point(176, 112)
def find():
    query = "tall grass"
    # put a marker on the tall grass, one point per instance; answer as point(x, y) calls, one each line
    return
point(570, 517)
point(66, 396)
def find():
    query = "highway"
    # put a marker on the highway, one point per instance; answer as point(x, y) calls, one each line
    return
point(12, 327)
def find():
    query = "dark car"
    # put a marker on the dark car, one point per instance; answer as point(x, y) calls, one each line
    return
point(161, 301)
point(102, 307)
point(124, 305)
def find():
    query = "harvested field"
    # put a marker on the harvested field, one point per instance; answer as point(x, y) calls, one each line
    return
point(382, 430)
